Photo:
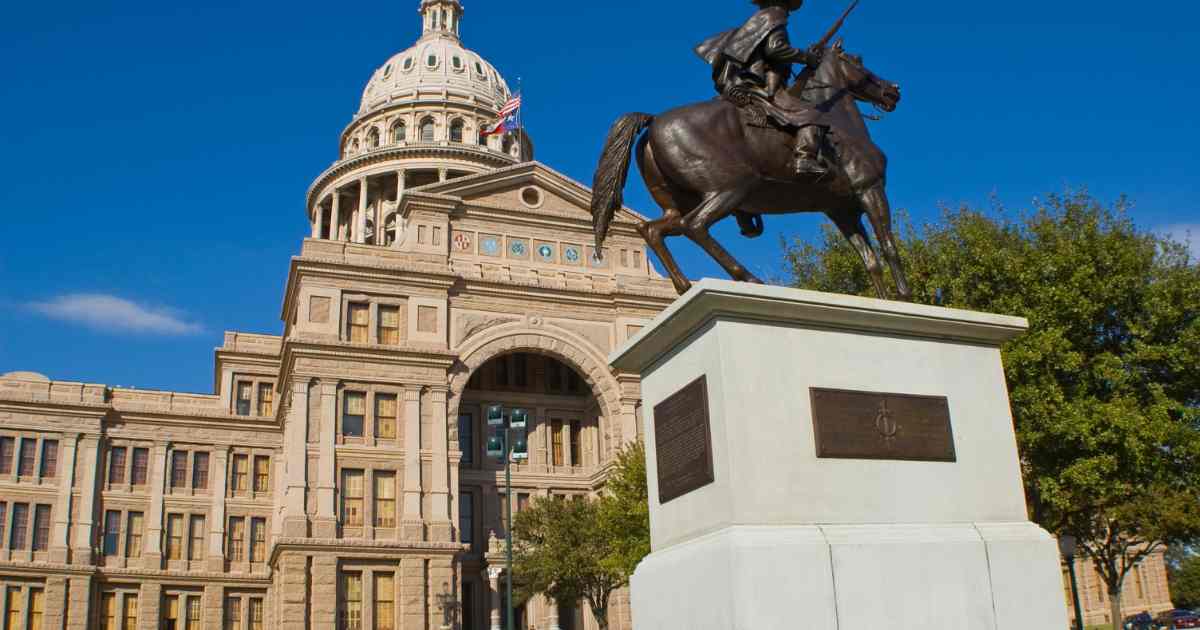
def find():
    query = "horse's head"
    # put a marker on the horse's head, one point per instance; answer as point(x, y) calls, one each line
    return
point(846, 71)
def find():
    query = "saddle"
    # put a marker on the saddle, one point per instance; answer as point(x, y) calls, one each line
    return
point(784, 111)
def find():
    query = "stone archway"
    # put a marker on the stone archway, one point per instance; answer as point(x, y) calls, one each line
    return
point(565, 346)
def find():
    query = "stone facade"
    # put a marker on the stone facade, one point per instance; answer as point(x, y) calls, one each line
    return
point(337, 476)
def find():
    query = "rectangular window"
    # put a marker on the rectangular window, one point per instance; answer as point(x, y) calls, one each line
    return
point(385, 601)
point(49, 459)
point(41, 527)
point(37, 608)
point(233, 613)
point(240, 462)
point(196, 534)
point(352, 498)
point(466, 518)
point(12, 604)
point(131, 612)
point(466, 437)
point(354, 409)
point(116, 465)
point(20, 526)
point(389, 325)
point(171, 613)
point(3, 520)
point(350, 610)
point(385, 417)
point(521, 370)
point(200, 471)
point(262, 474)
point(256, 614)
point(237, 539)
point(141, 466)
point(522, 501)
point(179, 469)
point(556, 438)
point(193, 613)
point(258, 537)
point(358, 315)
point(108, 611)
point(266, 400)
point(576, 444)
point(112, 532)
point(7, 445)
point(503, 510)
point(28, 457)
point(385, 499)
point(243, 398)
point(133, 543)
point(174, 537)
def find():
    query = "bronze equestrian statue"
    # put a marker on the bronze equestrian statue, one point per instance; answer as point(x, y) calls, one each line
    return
point(747, 152)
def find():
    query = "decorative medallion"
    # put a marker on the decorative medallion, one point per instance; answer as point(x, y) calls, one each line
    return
point(545, 252)
point(489, 245)
point(572, 254)
point(462, 242)
point(518, 248)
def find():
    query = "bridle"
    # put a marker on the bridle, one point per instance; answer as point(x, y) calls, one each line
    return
point(880, 114)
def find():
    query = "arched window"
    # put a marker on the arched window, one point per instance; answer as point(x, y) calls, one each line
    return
point(427, 130)
point(399, 132)
point(456, 131)
point(354, 147)
point(373, 139)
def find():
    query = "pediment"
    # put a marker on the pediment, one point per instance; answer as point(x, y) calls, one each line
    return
point(530, 187)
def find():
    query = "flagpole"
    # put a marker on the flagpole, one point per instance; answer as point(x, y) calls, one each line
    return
point(520, 122)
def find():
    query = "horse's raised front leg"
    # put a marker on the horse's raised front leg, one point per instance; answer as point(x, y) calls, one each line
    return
point(851, 227)
point(875, 203)
point(714, 208)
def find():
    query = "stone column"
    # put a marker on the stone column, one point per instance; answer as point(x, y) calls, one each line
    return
point(318, 219)
point(293, 610)
point(323, 611)
point(400, 188)
point(411, 528)
point(335, 219)
point(60, 538)
point(325, 525)
point(150, 606)
point(55, 602)
point(217, 520)
point(295, 521)
point(493, 576)
point(152, 550)
point(442, 174)
point(214, 605)
point(360, 227)
point(79, 596)
point(88, 457)
point(439, 485)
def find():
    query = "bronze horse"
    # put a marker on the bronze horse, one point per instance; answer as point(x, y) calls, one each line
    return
point(703, 162)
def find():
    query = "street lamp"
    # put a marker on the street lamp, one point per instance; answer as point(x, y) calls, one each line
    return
point(1066, 545)
point(507, 440)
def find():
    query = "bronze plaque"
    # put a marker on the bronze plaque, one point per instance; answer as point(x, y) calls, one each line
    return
point(683, 442)
point(870, 425)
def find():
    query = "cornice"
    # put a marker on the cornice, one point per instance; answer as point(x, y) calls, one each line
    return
point(409, 150)
point(363, 546)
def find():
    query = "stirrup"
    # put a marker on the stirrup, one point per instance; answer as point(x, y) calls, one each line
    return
point(803, 165)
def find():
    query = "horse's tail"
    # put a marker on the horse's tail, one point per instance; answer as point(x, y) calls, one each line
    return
point(609, 183)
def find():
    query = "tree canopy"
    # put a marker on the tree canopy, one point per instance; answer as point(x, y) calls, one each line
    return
point(585, 549)
point(1104, 386)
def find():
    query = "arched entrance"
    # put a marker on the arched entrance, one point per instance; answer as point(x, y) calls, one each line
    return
point(575, 425)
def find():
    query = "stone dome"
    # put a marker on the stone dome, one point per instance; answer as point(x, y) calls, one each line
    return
point(438, 62)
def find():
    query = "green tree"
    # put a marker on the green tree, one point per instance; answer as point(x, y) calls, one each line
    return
point(585, 549)
point(1105, 384)
point(1183, 573)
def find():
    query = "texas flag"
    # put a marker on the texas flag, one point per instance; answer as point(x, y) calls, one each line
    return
point(508, 118)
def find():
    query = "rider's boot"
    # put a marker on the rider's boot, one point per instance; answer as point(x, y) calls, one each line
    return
point(751, 224)
point(806, 158)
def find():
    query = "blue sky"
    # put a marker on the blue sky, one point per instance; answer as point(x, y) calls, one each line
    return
point(154, 156)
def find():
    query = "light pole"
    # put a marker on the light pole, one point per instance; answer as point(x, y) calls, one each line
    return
point(1066, 545)
point(508, 442)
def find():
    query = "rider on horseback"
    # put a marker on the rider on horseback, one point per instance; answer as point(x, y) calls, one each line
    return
point(753, 63)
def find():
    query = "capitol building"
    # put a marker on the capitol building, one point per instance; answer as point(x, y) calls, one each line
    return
point(337, 477)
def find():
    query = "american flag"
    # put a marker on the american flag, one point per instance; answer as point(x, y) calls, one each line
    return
point(511, 106)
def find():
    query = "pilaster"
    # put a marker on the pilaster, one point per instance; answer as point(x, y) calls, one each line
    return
point(441, 529)
point(89, 461)
point(217, 520)
point(60, 538)
point(325, 525)
point(150, 606)
point(152, 552)
point(411, 526)
point(213, 607)
point(323, 611)
point(79, 601)
point(293, 609)
point(54, 611)
point(295, 521)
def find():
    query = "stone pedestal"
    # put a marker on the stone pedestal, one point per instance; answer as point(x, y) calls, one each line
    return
point(787, 536)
